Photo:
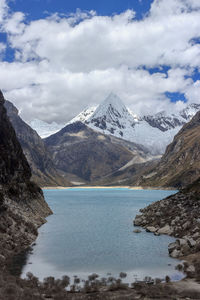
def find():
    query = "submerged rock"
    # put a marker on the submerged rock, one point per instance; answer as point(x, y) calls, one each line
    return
point(137, 231)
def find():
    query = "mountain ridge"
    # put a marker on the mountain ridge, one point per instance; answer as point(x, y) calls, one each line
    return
point(155, 131)
point(90, 154)
point(180, 164)
point(43, 169)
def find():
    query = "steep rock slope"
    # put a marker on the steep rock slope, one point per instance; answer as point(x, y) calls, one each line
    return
point(89, 154)
point(22, 205)
point(130, 174)
point(44, 171)
point(180, 165)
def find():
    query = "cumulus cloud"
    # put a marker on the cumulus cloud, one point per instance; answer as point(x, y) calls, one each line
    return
point(64, 63)
point(3, 10)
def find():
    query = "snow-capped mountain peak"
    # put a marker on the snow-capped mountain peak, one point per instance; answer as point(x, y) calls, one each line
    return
point(154, 132)
point(189, 111)
point(111, 116)
point(111, 108)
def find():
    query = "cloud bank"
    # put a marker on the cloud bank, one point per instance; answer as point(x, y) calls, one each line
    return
point(63, 63)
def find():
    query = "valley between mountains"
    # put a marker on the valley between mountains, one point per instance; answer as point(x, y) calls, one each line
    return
point(110, 145)
point(104, 146)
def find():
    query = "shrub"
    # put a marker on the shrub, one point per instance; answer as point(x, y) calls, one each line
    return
point(122, 275)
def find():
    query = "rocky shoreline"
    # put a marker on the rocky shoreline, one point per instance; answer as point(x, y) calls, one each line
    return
point(178, 216)
point(94, 288)
point(18, 226)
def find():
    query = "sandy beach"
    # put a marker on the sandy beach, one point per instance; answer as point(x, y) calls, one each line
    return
point(105, 187)
point(84, 187)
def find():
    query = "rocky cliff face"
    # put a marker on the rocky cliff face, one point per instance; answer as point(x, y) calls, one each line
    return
point(44, 172)
point(180, 165)
point(22, 205)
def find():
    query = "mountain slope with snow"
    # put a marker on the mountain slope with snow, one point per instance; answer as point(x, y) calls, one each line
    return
point(84, 115)
point(153, 131)
point(112, 117)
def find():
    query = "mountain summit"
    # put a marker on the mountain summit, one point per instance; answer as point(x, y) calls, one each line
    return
point(154, 131)
point(111, 109)
point(112, 117)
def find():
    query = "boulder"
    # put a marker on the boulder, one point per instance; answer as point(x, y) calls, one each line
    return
point(151, 229)
point(165, 230)
point(185, 249)
point(139, 220)
point(190, 269)
point(196, 235)
point(175, 253)
point(177, 219)
point(172, 247)
point(158, 214)
point(191, 242)
point(137, 231)
point(182, 242)
point(186, 225)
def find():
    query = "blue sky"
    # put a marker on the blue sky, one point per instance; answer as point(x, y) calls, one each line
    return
point(57, 57)
point(38, 8)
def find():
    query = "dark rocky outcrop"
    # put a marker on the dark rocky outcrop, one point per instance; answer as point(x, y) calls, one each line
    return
point(22, 205)
point(44, 172)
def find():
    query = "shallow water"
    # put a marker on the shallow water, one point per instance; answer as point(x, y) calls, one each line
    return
point(91, 230)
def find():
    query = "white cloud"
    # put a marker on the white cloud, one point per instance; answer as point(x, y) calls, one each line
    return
point(3, 10)
point(67, 62)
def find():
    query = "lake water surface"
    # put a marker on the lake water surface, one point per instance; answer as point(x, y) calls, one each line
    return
point(91, 230)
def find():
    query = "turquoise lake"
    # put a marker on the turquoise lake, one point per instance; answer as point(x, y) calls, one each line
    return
point(91, 230)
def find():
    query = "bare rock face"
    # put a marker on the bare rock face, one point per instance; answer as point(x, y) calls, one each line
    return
point(22, 205)
point(88, 154)
point(180, 165)
point(44, 171)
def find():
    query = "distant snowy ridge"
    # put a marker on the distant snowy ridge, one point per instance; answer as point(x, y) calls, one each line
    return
point(45, 129)
point(165, 121)
point(112, 117)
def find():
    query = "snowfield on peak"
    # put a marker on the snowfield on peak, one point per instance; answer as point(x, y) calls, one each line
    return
point(112, 117)
point(84, 115)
